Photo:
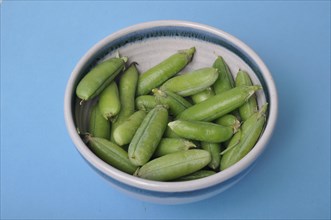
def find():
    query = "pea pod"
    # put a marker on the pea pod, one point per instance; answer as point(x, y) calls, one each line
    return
point(109, 101)
point(148, 136)
point(192, 82)
point(125, 131)
point(197, 175)
point(169, 133)
point(172, 145)
point(98, 125)
point(214, 149)
point(201, 131)
point(250, 107)
point(229, 120)
point(202, 96)
point(111, 154)
point(225, 80)
point(218, 105)
point(248, 139)
point(127, 90)
point(234, 141)
point(175, 165)
point(158, 74)
point(175, 103)
point(99, 77)
point(145, 102)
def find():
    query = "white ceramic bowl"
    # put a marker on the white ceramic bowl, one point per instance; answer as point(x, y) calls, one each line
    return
point(148, 44)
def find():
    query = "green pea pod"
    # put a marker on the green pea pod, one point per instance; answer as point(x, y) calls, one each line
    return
point(174, 102)
point(201, 131)
point(98, 125)
point(127, 90)
point(172, 145)
point(197, 175)
point(247, 141)
point(146, 102)
point(99, 77)
point(192, 82)
point(109, 101)
point(229, 120)
point(234, 141)
point(250, 107)
point(160, 73)
point(125, 131)
point(218, 105)
point(148, 136)
point(111, 154)
point(169, 133)
point(225, 80)
point(175, 165)
point(214, 149)
point(202, 96)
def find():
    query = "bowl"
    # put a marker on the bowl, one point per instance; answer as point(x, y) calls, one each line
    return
point(148, 44)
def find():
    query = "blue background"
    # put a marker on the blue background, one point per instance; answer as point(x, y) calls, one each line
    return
point(43, 175)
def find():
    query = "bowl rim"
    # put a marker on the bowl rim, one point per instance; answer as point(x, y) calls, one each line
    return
point(171, 186)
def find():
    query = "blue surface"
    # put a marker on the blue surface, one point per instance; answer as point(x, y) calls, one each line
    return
point(42, 174)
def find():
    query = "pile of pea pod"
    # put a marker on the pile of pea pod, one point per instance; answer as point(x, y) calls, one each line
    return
point(165, 126)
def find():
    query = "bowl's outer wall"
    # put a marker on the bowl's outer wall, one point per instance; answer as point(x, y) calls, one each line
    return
point(151, 190)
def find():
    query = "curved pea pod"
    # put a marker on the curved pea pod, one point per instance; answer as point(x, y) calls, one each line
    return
point(248, 139)
point(214, 149)
point(175, 103)
point(197, 175)
point(229, 120)
point(99, 77)
point(202, 96)
point(148, 136)
point(125, 131)
point(146, 102)
point(192, 82)
point(234, 141)
point(250, 107)
point(201, 131)
point(98, 125)
point(109, 101)
point(172, 145)
point(127, 91)
point(219, 105)
point(225, 80)
point(160, 73)
point(111, 154)
point(175, 165)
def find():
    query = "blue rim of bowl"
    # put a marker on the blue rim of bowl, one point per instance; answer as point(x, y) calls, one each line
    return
point(176, 29)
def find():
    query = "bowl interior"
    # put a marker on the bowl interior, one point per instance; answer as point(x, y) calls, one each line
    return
point(150, 45)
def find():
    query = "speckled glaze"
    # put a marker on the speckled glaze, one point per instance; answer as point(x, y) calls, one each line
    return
point(148, 44)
